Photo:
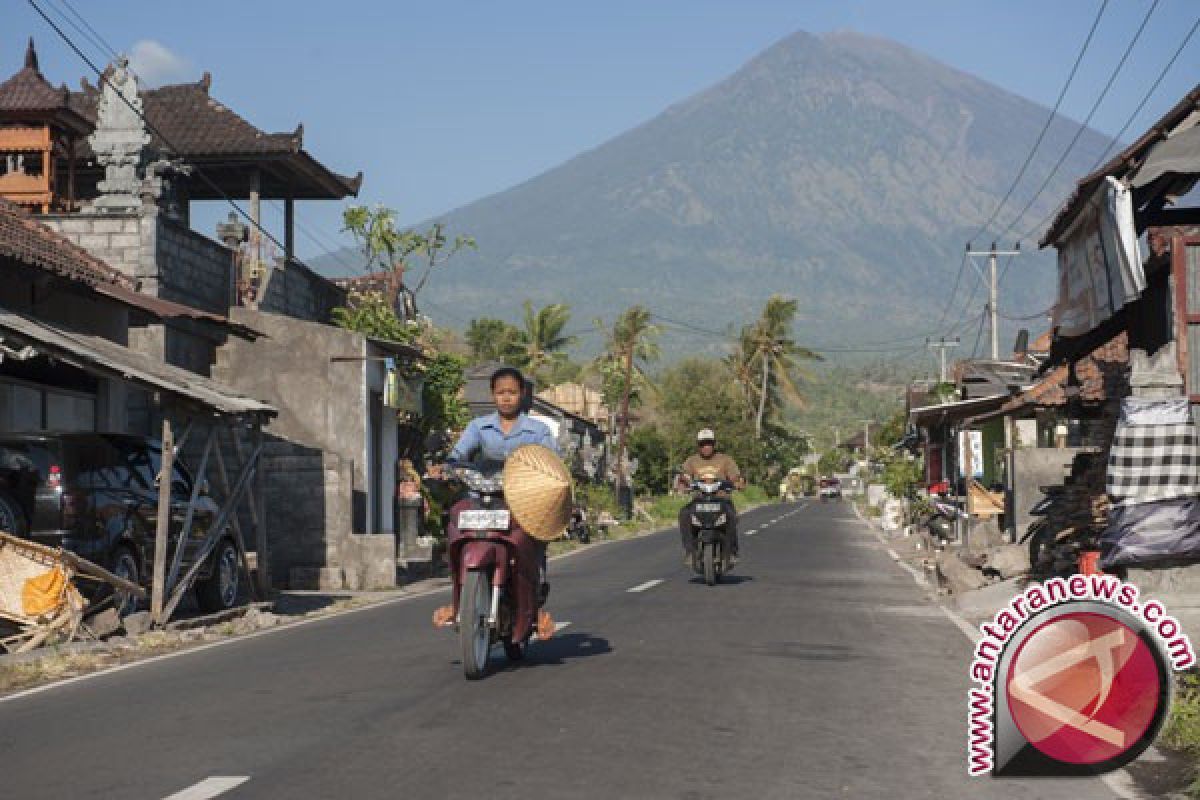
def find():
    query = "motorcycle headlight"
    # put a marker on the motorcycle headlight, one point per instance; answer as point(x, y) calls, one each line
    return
point(720, 520)
point(696, 521)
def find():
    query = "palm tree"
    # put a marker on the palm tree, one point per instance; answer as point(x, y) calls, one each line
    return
point(630, 344)
point(766, 352)
point(543, 340)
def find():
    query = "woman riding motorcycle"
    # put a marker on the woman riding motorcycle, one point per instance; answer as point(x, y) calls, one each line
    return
point(485, 445)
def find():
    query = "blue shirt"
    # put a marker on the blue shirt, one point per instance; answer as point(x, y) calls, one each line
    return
point(485, 446)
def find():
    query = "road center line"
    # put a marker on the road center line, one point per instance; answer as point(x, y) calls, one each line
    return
point(752, 531)
point(210, 787)
point(641, 587)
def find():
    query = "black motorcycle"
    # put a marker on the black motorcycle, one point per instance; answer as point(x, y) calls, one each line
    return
point(710, 524)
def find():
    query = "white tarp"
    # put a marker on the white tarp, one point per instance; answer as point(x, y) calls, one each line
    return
point(1099, 262)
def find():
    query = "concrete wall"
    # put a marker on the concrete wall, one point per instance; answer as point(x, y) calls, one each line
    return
point(320, 524)
point(1034, 468)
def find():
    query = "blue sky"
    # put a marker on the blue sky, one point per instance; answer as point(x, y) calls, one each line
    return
point(440, 103)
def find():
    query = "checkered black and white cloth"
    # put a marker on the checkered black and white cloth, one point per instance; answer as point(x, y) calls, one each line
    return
point(1152, 462)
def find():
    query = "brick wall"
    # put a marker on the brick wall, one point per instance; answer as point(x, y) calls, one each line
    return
point(299, 292)
point(194, 269)
point(115, 239)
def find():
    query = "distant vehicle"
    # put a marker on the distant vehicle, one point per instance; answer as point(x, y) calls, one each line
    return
point(94, 494)
point(830, 489)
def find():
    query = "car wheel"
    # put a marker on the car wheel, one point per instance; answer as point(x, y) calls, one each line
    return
point(12, 517)
point(125, 565)
point(220, 591)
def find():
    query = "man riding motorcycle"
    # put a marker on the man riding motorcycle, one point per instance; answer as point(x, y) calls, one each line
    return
point(706, 459)
point(485, 445)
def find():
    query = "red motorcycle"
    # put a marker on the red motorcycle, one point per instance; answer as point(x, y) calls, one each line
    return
point(497, 574)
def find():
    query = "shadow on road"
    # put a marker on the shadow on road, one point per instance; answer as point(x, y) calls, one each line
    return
point(726, 580)
point(565, 647)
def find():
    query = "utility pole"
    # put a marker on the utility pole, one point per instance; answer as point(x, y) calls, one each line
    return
point(866, 438)
point(942, 345)
point(994, 290)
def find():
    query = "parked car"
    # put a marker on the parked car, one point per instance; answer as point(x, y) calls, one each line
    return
point(830, 489)
point(95, 494)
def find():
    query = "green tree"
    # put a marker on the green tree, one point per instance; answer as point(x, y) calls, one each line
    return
point(630, 344)
point(768, 359)
point(698, 393)
point(649, 446)
point(444, 380)
point(543, 338)
point(495, 340)
point(370, 313)
point(384, 247)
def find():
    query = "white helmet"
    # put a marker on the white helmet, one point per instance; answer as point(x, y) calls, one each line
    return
point(706, 435)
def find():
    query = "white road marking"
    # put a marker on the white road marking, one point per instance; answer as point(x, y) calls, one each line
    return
point(641, 587)
point(210, 787)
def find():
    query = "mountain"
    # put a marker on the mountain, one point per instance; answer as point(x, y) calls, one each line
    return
point(842, 169)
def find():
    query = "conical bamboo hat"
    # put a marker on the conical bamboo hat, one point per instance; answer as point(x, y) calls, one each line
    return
point(537, 488)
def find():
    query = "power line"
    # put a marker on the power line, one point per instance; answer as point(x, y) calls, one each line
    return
point(1046, 127)
point(86, 31)
point(1083, 126)
point(1153, 87)
point(1128, 122)
point(102, 80)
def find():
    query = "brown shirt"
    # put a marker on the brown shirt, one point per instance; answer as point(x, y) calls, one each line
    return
point(720, 463)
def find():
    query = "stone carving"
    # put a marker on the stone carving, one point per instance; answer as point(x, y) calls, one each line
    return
point(161, 185)
point(118, 140)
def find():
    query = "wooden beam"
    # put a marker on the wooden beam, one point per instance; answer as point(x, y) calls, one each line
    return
point(227, 512)
point(164, 517)
point(259, 500)
point(235, 523)
point(185, 532)
point(1169, 217)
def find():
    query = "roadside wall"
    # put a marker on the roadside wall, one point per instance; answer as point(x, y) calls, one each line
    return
point(1034, 468)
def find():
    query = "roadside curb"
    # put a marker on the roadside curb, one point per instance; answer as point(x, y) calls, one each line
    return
point(1121, 783)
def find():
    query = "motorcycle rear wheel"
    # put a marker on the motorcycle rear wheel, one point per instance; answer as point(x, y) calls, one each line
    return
point(473, 631)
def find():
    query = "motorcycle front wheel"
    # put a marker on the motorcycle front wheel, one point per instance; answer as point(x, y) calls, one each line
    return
point(710, 563)
point(473, 631)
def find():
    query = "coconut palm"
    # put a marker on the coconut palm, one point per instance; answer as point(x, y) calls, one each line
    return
point(542, 339)
point(766, 358)
point(630, 344)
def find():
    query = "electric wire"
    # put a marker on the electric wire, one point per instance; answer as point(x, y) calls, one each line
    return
point(82, 27)
point(1045, 127)
point(1128, 122)
point(150, 127)
point(1083, 126)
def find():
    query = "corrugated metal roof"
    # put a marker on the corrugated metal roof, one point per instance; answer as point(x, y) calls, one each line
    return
point(166, 309)
point(1121, 164)
point(960, 409)
point(96, 354)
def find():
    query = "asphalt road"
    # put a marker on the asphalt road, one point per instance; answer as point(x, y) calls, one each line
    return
point(818, 670)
